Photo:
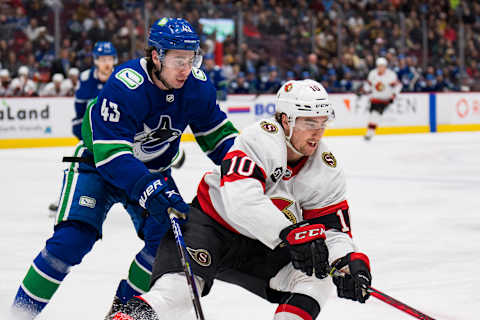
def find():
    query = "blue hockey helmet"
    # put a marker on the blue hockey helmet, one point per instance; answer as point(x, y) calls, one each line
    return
point(174, 34)
point(104, 48)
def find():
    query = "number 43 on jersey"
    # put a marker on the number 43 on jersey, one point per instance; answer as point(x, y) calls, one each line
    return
point(109, 111)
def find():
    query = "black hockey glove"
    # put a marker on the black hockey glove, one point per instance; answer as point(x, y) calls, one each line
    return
point(354, 283)
point(306, 243)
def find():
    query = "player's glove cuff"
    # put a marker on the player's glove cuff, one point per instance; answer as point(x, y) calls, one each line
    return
point(355, 282)
point(308, 251)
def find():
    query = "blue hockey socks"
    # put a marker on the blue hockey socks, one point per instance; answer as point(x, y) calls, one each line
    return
point(42, 280)
point(139, 275)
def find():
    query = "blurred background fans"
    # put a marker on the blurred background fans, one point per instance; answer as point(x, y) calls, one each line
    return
point(253, 46)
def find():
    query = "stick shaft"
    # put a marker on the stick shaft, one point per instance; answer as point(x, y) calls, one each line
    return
point(388, 299)
point(398, 304)
point(186, 266)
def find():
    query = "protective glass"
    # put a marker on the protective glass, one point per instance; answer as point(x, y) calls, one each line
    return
point(311, 123)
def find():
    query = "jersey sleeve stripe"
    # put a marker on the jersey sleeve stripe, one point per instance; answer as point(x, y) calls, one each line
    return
point(233, 135)
point(315, 213)
point(104, 153)
point(209, 140)
point(116, 155)
point(238, 166)
point(125, 142)
point(206, 133)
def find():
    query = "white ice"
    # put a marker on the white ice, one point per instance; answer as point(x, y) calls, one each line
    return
point(414, 204)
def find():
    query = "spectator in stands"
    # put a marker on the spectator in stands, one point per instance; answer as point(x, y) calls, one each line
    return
point(33, 30)
point(70, 84)
point(5, 83)
point(216, 76)
point(54, 88)
point(62, 64)
point(239, 85)
point(253, 82)
point(22, 86)
point(368, 29)
point(428, 84)
point(441, 84)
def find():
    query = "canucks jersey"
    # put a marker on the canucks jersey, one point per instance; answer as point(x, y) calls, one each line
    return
point(88, 89)
point(134, 127)
point(257, 193)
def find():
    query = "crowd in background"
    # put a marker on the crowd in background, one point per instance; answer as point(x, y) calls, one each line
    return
point(279, 41)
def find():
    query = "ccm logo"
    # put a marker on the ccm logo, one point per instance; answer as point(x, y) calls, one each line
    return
point(312, 233)
point(306, 234)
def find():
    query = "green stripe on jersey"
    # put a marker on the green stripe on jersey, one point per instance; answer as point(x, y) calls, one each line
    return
point(103, 151)
point(139, 277)
point(208, 142)
point(38, 285)
point(68, 184)
point(87, 134)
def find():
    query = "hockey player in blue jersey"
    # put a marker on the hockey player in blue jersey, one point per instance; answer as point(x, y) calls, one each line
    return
point(92, 81)
point(130, 136)
point(90, 84)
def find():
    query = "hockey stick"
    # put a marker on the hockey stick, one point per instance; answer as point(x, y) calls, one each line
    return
point(174, 215)
point(388, 299)
point(398, 304)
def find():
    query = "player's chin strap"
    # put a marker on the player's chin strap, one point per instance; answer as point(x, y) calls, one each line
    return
point(289, 144)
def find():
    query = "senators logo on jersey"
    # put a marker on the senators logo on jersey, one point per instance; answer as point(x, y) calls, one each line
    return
point(283, 205)
point(329, 159)
point(269, 127)
point(201, 256)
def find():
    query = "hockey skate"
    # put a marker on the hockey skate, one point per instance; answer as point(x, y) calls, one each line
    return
point(116, 307)
point(52, 210)
point(136, 309)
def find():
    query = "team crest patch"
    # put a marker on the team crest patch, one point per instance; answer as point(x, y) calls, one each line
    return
point(288, 87)
point(163, 21)
point(201, 256)
point(329, 159)
point(269, 127)
point(170, 97)
point(87, 202)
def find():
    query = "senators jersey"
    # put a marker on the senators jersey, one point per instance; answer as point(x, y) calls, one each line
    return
point(257, 194)
point(384, 86)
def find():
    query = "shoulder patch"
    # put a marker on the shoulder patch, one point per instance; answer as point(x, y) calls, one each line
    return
point(269, 127)
point(199, 74)
point(130, 78)
point(84, 75)
point(329, 159)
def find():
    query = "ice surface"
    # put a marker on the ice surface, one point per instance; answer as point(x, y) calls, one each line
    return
point(415, 210)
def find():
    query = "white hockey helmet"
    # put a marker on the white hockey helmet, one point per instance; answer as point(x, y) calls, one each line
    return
point(381, 61)
point(57, 77)
point(23, 70)
point(4, 73)
point(303, 98)
point(73, 72)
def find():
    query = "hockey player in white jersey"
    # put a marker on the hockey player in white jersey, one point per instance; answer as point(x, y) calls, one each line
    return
point(383, 86)
point(272, 219)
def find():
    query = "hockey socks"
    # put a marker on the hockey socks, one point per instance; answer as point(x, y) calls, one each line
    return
point(42, 280)
point(139, 275)
point(297, 306)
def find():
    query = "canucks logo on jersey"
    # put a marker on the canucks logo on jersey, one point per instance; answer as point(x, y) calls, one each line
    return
point(152, 143)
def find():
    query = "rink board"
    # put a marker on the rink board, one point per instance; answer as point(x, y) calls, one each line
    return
point(46, 122)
